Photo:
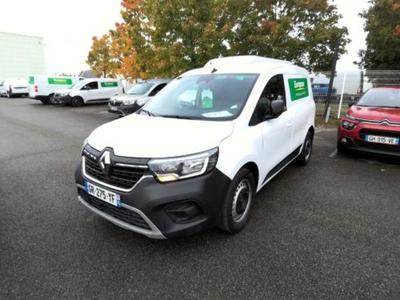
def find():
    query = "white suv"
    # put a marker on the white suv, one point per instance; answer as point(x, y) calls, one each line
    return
point(195, 156)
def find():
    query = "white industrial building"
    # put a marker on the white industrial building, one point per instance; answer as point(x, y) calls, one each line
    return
point(21, 55)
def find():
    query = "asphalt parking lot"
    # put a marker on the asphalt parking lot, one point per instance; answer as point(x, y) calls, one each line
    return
point(330, 230)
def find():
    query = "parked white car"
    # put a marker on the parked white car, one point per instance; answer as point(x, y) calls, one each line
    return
point(43, 88)
point(14, 87)
point(195, 156)
point(94, 90)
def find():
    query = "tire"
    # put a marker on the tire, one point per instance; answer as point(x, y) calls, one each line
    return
point(77, 101)
point(51, 99)
point(341, 149)
point(306, 152)
point(44, 101)
point(237, 205)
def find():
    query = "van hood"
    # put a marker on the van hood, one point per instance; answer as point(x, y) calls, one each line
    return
point(375, 113)
point(142, 136)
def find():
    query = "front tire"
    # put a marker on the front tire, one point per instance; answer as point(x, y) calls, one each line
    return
point(236, 208)
point(306, 152)
point(77, 101)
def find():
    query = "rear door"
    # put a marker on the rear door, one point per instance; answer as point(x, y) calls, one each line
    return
point(300, 102)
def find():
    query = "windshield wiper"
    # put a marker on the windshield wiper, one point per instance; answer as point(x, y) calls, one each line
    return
point(179, 117)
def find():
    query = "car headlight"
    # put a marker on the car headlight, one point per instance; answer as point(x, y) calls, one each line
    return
point(142, 102)
point(129, 101)
point(84, 144)
point(173, 169)
point(348, 125)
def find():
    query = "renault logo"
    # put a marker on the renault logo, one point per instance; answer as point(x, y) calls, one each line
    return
point(105, 162)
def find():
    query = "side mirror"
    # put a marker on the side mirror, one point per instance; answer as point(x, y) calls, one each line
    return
point(352, 102)
point(277, 107)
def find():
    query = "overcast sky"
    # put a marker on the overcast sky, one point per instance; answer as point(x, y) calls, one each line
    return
point(68, 26)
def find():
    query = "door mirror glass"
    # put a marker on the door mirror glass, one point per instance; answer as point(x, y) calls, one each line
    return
point(277, 107)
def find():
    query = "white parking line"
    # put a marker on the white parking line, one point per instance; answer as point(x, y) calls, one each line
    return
point(333, 154)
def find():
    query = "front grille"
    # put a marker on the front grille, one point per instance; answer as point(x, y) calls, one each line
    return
point(376, 146)
point(123, 177)
point(120, 213)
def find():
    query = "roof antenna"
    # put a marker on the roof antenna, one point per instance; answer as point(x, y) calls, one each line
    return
point(214, 70)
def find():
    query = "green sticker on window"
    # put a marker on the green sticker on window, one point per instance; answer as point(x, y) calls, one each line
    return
point(59, 81)
point(207, 99)
point(298, 88)
point(31, 80)
point(109, 84)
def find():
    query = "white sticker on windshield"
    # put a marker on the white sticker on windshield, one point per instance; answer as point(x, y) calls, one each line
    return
point(218, 114)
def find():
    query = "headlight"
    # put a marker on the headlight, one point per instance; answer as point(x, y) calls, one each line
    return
point(84, 144)
point(173, 169)
point(129, 101)
point(142, 102)
point(348, 125)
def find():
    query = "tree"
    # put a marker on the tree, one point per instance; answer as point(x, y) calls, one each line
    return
point(101, 60)
point(382, 22)
point(167, 37)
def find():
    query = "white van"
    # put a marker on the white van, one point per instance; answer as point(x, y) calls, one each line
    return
point(43, 88)
point(196, 155)
point(14, 87)
point(94, 90)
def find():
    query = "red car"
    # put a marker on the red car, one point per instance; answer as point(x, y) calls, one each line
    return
point(372, 125)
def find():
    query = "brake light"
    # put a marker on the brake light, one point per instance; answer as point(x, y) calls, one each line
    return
point(36, 89)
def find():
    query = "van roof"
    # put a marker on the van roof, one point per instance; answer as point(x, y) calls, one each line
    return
point(248, 64)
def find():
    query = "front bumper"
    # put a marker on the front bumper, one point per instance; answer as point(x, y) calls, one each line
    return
point(123, 110)
point(58, 99)
point(354, 140)
point(169, 210)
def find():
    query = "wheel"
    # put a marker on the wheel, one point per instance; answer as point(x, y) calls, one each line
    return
point(306, 152)
point(340, 148)
point(238, 202)
point(77, 101)
point(51, 99)
point(44, 101)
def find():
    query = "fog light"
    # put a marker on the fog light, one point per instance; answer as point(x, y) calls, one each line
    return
point(344, 140)
point(183, 212)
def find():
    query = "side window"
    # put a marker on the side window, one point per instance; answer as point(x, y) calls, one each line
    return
point(94, 85)
point(274, 90)
point(157, 89)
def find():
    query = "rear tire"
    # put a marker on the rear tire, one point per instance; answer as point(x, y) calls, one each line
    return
point(306, 152)
point(51, 99)
point(77, 101)
point(237, 205)
point(44, 101)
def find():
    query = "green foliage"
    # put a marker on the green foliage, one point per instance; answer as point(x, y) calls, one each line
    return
point(382, 22)
point(168, 37)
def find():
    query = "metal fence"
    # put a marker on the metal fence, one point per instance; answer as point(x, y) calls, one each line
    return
point(348, 87)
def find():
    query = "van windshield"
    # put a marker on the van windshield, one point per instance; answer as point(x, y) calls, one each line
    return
point(140, 88)
point(203, 97)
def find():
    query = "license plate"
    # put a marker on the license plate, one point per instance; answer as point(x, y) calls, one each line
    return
point(102, 194)
point(382, 140)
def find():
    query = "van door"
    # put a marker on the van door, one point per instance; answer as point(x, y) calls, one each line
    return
point(109, 89)
point(276, 131)
point(90, 91)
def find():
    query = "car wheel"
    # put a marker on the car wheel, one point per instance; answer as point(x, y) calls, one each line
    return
point(306, 152)
point(44, 101)
point(77, 101)
point(340, 148)
point(238, 202)
point(51, 99)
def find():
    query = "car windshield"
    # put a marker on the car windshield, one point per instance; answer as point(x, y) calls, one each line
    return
point(203, 97)
point(140, 88)
point(77, 85)
point(381, 97)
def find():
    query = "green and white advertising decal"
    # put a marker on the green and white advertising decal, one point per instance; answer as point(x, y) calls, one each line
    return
point(60, 81)
point(298, 88)
point(109, 84)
